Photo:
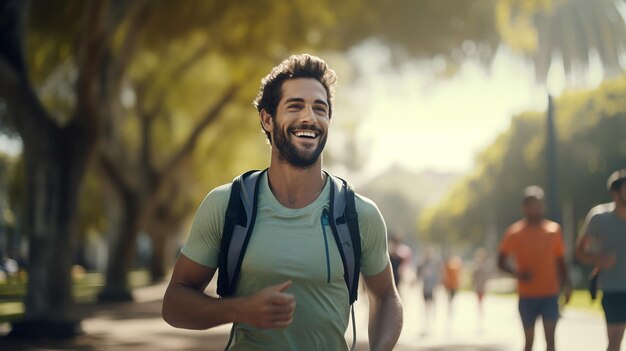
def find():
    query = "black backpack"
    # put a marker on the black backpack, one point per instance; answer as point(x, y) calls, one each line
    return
point(239, 224)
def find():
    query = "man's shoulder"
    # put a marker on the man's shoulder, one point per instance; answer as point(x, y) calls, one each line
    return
point(515, 228)
point(220, 193)
point(601, 210)
point(371, 221)
point(216, 199)
point(365, 206)
point(550, 227)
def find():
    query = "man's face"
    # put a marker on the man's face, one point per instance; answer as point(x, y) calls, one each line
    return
point(533, 209)
point(300, 127)
point(619, 196)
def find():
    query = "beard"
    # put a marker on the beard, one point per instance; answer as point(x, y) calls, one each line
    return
point(288, 152)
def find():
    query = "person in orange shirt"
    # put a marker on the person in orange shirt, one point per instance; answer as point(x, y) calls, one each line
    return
point(452, 277)
point(537, 246)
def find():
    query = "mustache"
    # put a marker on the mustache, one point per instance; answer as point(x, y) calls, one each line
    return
point(307, 127)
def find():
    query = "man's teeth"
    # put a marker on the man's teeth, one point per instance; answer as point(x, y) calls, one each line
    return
point(305, 134)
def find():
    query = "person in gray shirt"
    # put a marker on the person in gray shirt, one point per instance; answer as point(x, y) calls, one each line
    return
point(602, 244)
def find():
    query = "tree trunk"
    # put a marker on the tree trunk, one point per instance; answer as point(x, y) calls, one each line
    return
point(164, 226)
point(166, 222)
point(157, 260)
point(55, 160)
point(55, 164)
point(122, 250)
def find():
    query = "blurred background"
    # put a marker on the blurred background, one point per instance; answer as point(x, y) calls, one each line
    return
point(117, 117)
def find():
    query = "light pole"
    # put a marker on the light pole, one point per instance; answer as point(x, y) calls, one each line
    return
point(552, 191)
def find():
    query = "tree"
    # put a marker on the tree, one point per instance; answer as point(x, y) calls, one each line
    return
point(57, 149)
point(7, 218)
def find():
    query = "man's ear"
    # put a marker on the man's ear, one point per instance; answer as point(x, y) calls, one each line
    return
point(267, 122)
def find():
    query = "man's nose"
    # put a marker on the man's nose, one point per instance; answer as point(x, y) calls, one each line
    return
point(308, 115)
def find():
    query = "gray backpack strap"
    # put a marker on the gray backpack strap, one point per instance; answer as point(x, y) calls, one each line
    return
point(239, 222)
point(241, 233)
point(344, 222)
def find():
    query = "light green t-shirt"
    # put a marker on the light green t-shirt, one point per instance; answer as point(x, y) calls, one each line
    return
point(296, 245)
point(608, 234)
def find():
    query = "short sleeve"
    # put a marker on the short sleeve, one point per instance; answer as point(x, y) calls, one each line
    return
point(559, 247)
point(203, 244)
point(374, 255)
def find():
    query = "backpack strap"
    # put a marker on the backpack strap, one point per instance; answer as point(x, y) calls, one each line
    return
point(238, 225)
point(344, 222)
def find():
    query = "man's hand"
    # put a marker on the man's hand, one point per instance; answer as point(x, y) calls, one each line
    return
point(523, 276)
point(270, 308)
point(567, 293)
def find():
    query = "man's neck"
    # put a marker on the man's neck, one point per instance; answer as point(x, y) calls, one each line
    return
point(620, 210)
point(295, 187)
point(534, 221)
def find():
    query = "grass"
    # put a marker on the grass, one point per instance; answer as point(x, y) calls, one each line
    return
point(85, 289)
point(581, 300)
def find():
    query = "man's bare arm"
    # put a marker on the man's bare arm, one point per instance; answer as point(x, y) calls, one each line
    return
point(186, 306)
point(597, 260)
point(564, 277)
point(503, 264)
point(385, 316)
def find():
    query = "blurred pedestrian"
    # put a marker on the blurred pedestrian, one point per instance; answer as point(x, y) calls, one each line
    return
point(602, 244)
point(429, 271)
point(481, 272)
point(400, 255)
point(537, 246)
point(452, 278)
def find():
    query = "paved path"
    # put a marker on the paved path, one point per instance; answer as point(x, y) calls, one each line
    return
point(138, 326)
point(499, 329)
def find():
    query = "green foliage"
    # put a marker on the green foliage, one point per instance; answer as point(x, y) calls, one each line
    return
point(591, 144)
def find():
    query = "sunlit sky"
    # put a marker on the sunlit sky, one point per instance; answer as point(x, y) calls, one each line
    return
point(412, 119)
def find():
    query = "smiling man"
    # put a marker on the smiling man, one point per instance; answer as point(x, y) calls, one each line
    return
point(291, 286)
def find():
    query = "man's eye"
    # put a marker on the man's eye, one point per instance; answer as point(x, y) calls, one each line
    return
point(320, 109)
point(294, 107)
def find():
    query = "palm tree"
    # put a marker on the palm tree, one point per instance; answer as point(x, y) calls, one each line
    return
point(572, 32)
point(569, 30)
